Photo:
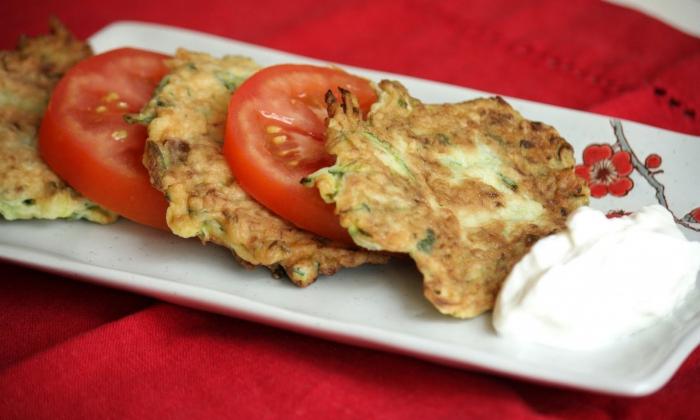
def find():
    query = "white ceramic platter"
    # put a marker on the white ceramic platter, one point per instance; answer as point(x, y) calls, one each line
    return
point(381, 306)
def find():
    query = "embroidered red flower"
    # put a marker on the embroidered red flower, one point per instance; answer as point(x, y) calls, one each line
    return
point(653, 161)
point(614, 214)
point(606, 170)
point(693, 216)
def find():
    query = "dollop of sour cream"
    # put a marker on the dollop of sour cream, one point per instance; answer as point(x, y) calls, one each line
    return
point(599, 280)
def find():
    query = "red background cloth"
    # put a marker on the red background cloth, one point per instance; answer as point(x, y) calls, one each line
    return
point(69, 349)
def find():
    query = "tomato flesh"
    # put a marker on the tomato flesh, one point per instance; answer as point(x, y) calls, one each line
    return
point(275, 134)
point(85, 140)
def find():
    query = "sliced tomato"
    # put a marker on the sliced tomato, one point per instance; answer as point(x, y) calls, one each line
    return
point(275, 136)
point(86, 141)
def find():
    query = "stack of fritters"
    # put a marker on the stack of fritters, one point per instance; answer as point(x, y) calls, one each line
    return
point(465, 189)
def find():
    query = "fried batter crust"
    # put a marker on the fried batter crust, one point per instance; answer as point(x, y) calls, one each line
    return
point(28, 188)
point(184, 157)
point(465, 189)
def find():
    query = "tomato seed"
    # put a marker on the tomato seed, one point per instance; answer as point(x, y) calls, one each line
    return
point(279, 139)
point(111, 96)
point(119, 135)
point(272, 129)
point(101, 109)
point(122, 105)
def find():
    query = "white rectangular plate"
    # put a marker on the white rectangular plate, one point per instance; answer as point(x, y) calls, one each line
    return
point(380, 306)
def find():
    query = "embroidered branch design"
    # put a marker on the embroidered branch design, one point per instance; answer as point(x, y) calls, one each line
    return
point(607, 169)
point(649, 172)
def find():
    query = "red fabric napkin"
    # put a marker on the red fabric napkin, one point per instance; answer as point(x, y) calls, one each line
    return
point(69, 349)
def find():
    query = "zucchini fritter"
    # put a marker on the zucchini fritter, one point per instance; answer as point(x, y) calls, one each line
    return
point(184, 157)
point(465, 189)
point(28, 188)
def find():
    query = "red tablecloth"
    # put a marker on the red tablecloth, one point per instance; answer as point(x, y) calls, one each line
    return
point(69, 349)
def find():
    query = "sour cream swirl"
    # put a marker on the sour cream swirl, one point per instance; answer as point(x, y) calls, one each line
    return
point(599, 280)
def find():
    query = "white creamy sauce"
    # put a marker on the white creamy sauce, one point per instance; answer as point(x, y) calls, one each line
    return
point(599, 280)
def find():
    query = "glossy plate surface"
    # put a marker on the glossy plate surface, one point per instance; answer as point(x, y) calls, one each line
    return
point(379, 307)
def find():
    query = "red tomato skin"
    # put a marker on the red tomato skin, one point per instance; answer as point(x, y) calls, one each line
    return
point(279, 188)
point(136, 199)
point(116, 181)
point(305, 206)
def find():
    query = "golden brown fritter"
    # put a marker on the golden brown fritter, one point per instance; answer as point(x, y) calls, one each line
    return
point(184, 158)
point(465, 188)
point(28, 188)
